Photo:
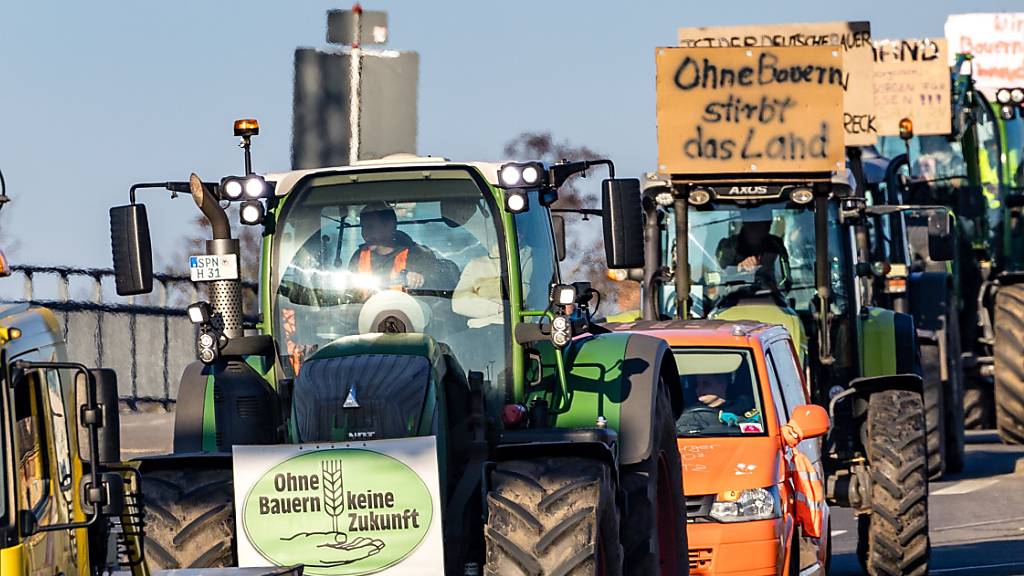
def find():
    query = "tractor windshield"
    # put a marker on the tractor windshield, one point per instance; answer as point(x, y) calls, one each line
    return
point(397, 251)
point(765, 251)
point(721, 396)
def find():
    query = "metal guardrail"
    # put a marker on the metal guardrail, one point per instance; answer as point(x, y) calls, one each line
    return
point(148, 339)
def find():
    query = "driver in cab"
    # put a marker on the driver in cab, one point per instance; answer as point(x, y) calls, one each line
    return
point(387, 253)
point(754, 249)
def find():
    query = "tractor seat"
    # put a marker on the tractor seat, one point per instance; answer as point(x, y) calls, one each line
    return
point(366, 387)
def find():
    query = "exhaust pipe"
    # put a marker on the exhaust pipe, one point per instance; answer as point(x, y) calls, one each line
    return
point(225, 295)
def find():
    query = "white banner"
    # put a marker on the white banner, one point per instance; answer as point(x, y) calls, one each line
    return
point(340, 509)
point(997, 43)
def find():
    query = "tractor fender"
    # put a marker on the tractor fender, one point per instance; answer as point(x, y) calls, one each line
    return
point(863, 388)
point(930, 294)
point(190, 411)
point(888, 343)
point(183, 461)
point(616, 375)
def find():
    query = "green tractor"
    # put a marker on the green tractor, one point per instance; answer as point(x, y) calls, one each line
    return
point(403, 303)
point(903, 272)
point(976, 172)
point(862, 360)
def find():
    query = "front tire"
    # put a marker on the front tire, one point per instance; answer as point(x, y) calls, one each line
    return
point(654, 524)
point(1009, 365)
point(553, 515)
point(190, 518)
point(893, 538)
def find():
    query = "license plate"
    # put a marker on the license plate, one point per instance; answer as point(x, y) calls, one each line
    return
point(207, 268)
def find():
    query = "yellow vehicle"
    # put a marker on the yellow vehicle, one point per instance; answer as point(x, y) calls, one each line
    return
point(62, 485)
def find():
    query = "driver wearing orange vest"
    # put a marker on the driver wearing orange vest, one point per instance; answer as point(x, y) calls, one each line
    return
point(388, 254)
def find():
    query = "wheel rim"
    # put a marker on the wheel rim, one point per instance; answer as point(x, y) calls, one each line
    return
point(666, 521)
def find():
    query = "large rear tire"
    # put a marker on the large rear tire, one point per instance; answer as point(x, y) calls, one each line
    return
point(1009, 363)
point(553, 515)
point(934, 408)
point(654, 523)
point(190, 518)
point(893, 538)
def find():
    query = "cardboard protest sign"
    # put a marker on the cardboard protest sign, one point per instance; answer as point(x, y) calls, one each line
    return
point(997, 43)
point(912, 80)
point(749, 110)
point(340, 509)
point(854, 38)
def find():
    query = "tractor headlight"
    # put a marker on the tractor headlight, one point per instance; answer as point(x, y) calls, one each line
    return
point(251, 212)
point(801, 195)
point(561, 331)
point(1003, 96)
point(522, 175)
point(747, 505)
point(232, 188)
point(516, 201)
point(200, 313)
point(664, 198)
point(699, 196)
point(1017, 95)
point(255, 187)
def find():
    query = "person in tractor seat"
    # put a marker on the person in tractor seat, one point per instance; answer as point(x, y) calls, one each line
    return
point(389, 254)
point(755, 250)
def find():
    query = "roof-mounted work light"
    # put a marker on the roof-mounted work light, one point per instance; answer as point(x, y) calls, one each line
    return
point(522, 175)
point(251, 187)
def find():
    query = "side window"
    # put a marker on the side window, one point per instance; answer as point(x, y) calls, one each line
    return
point(30, 454)
point(61, 446)
point(777, 396)
point(537, 262)
point(789, 373)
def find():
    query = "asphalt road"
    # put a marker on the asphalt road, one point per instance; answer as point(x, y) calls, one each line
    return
point(976, 517)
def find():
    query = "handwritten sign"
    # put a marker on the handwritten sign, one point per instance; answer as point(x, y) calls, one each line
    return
point(853, 38)
point(749, 110)
point(997, 43)
point(912, 81)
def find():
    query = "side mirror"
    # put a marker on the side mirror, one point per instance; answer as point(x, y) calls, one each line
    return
point(109, 445)
point(133, 255)
point(810, 420)
point(622, 208)
point(558, 225)
point(941, 241)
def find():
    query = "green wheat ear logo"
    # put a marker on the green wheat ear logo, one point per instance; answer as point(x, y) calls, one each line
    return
point(334, 490)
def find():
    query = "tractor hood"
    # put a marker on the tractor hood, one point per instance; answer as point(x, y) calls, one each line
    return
point(714, 465)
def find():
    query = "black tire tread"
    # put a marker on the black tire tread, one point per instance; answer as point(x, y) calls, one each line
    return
point(894, 537)
point(187, 527)
point(1009, 363)
point(639, 522)
point(979, 410)
point(956, 439)
point(546, 517)
point(934, 408)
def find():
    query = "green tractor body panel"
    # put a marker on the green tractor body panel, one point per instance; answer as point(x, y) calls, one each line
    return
point(877, 342)
point(595, 381)
point(770, 315)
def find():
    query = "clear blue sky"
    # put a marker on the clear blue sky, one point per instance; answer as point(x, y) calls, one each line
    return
point(97, 95)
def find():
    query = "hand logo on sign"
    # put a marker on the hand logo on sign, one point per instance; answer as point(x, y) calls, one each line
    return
point(335, 548)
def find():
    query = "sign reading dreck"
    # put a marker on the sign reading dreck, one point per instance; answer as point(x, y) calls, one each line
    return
point(750, 110)
point(340, 509)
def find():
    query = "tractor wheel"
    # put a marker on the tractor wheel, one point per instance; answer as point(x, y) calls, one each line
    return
point(934, 408)
point(552, 515)
point(979, 409)
point(953, 393)
point(893, 538)
point(654, 524)
point(190, 518)
point(1009, 385)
